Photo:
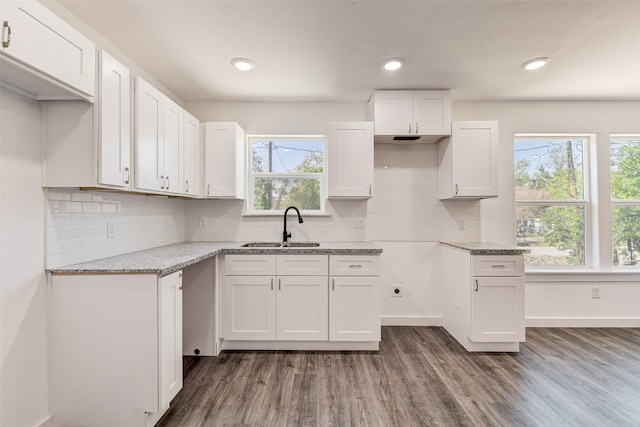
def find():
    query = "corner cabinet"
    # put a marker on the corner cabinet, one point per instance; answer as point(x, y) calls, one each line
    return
point(416, 114)
point(483, 299)
point(298, 302)
point(44, 57)
point(96, 151)
point(468, 161)
point(119, 336)
point(224, 160)
point(350, 160)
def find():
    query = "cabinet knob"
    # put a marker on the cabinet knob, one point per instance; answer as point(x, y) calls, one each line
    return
point(7, 42)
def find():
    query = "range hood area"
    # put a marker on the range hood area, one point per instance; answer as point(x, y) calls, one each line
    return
point(410, 116)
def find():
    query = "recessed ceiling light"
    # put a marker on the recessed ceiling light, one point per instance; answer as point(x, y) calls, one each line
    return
point(392, 64)
point(243, 64)
point(536, 63)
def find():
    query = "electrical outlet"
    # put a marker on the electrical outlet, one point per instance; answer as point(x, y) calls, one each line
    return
point(461, 224)
point(396, 291)
point(111, 230)
point(203, 222)
point(595, 292)
point(359, 222)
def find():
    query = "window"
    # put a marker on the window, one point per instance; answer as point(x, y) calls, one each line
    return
point(552, 203)
point(286, 171)
point(624, 153)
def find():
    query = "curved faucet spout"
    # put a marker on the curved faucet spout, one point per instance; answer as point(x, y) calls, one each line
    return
point(285, 234)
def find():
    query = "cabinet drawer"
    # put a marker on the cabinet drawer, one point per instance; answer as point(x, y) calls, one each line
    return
point(497, 265)
point(303, 265)
point(250, 265)
point(354, 265)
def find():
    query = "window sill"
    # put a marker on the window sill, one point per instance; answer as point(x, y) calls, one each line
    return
point(279, 214)
point(582, 275)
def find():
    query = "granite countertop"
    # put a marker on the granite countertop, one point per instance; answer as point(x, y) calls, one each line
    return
point(165, 260)
point(487, 248)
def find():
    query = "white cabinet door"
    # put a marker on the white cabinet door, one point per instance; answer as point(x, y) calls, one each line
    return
point(191, 163)
point(249, 308)
point(468, 161)
point(224, 160)
point(393, 113)
point(350, 155)
point(170, 337)
point(431, 112)
point(302, 308)
point(114, 122)
point(171, 181)
point(497, 309)
point(354, 313)
point(47, 44)
point(149, 124)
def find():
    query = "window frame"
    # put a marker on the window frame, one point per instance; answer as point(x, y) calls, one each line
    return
point(613, 203)
point(587, 202)
point(252, 176)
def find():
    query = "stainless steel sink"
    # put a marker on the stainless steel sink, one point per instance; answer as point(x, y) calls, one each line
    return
point(300, 244)
point(262, 245)
point(283, 245)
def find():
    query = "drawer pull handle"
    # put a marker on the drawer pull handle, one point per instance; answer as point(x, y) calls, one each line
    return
point(498, 266)
point(126, 170)
point(333, 284)
point(279, 284)
point(272, 283)
point(476, 285)
point(355, 265)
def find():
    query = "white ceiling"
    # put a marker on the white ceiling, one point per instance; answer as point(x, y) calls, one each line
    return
point(310, 50)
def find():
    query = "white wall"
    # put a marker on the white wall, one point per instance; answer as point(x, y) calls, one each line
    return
point(560, 300)
point(23, 286)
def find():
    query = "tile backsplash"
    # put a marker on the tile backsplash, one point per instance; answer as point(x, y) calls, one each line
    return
point(87, 225)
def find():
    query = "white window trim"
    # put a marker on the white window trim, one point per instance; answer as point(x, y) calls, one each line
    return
point(589, 180)
point(249, 211)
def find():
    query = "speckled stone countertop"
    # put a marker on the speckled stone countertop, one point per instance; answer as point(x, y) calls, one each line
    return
point(487, 248)
point(165, 260)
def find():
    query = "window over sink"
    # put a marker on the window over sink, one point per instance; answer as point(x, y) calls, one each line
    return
point(286, 170)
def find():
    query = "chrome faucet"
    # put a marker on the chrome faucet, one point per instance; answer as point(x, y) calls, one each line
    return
point(285, 234)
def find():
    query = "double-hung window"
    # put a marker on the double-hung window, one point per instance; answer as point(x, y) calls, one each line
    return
point(624, 151)
point(286, 171)
point(552, 199)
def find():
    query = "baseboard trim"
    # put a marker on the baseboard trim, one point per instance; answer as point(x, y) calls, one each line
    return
point(411, 320)
point(583, 322)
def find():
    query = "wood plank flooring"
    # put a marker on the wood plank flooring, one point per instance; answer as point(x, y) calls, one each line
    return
point(421, 377)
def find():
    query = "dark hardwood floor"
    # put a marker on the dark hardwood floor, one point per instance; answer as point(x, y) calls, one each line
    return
point(421, 377)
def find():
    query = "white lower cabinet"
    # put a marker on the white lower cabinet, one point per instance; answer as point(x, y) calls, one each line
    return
point(483, 299)
point(354, 298)
point(287, 299)
point(116, 348)
point(289, 304)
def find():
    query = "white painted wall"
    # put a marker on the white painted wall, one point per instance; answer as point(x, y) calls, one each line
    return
point(553, 300)
point(23, 286)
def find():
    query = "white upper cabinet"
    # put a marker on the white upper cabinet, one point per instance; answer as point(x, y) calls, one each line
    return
point(88, 145)
point(224, 160)
point(350, 160)
point(191, 157)
point(173, 146)
point(114, 122)
point(423, 115)
point(43, 56)
point(468, 161)
point(159, 140)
